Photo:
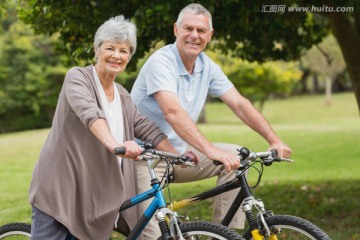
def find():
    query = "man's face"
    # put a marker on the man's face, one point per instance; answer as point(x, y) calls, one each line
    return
point(193, 34)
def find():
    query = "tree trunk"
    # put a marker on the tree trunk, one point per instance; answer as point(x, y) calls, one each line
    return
point(346, 29)
point(315, 81)
point(303, 81)
point(328, 82)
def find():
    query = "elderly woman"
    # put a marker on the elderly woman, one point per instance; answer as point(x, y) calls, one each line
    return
point(78, 183)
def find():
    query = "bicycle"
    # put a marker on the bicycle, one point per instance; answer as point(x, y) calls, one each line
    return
point(264, 223)
point(171, 228)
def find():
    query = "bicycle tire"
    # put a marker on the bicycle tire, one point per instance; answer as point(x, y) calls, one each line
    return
point(207, 230)
point(15, 230)
point(292, 228)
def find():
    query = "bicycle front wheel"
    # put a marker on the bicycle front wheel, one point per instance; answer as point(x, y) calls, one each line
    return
point(289, 227)
point(207, 230)
point(15, 230)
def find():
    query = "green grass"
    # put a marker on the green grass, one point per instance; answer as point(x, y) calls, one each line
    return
point(323, 185)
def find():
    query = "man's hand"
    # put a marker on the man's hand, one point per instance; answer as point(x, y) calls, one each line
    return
point(283, 151)
point(193, 156)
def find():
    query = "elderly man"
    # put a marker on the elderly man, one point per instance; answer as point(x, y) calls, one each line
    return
point(171, 90)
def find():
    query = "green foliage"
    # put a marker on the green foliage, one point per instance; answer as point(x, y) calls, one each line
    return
point(6, 15)
point(259, 81)
point(242, 27)
point(249, 33)
point(31, 75)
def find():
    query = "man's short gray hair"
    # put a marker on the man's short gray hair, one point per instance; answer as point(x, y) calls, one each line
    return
point(116, 29)
point(194, 8)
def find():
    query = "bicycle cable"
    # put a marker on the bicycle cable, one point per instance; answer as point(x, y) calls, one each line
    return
point(260, 173)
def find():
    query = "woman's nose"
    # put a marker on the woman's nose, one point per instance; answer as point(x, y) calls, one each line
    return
point(116, 54)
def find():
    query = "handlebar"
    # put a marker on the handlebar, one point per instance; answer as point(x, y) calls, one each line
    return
point(150, 152)
point(267, 158)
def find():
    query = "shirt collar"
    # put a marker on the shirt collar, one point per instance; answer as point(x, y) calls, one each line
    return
point(199, 63)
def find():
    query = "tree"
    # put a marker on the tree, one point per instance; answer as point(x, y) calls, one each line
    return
point(31, 75)
point(253, 36)
point(326, 60)
point(248, 28)
point(258, 82)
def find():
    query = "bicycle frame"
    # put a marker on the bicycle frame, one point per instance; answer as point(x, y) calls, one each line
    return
point(239, 181)
point(243, 199)
point(159, 202)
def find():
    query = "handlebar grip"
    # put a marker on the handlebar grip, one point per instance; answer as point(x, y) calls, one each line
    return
point(217, 163)
point(186, 158)
point(119, 151)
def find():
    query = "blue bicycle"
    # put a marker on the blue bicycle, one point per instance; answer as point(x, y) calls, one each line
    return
point(170, 226)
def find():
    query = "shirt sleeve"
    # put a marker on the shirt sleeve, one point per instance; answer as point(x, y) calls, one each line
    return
point(219, 82)
point(161, 75)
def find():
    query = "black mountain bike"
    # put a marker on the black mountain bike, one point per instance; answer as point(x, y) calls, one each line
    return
point(263, 224)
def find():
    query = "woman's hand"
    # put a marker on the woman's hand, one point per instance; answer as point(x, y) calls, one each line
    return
point(133, 150)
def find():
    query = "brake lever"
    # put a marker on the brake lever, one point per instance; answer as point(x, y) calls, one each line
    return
point(286, 160)
point(268, 161)
point(186, 160)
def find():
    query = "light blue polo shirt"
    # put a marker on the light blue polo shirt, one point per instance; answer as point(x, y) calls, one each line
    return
point(164, 71)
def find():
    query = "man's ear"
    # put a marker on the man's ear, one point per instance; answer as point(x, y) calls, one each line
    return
point(175, 30)
point(211, 34)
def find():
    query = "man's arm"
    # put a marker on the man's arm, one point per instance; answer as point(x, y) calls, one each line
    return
point(243, 108)
point(185, 127)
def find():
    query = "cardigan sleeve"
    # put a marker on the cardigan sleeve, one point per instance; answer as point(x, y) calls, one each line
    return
point(146, 130)
point(80, 94)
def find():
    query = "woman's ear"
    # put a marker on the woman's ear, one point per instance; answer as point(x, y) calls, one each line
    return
point(95, 51)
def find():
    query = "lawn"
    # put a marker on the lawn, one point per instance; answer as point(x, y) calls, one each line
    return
point(323, 185)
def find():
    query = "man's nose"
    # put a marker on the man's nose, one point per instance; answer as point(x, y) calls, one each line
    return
point(194, 33)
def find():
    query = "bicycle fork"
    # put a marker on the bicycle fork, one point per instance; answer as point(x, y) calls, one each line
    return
point(259, 222)
point(169, 225)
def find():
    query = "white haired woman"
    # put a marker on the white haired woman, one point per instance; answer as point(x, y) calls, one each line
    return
point(78, 183)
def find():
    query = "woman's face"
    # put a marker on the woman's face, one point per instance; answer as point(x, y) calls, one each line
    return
point(112, 57)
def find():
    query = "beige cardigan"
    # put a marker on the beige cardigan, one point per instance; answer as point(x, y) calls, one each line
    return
point(76, 179)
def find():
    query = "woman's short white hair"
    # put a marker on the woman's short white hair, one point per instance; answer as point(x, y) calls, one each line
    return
point(116, 29)
point(194, 8)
